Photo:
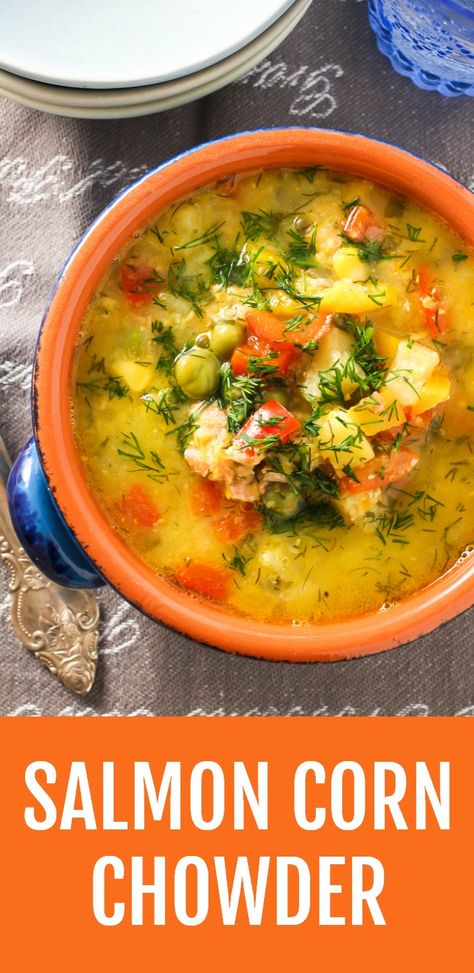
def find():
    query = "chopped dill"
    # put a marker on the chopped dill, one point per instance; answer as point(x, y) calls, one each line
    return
point(133, 451)
point(309, 173)
point(301, 251)
point(238, 562)
point(239, 395)
point(164, 337)
point(207, 237)
point(262, 444)
point(156, 232)
point(165, 403)
point(97, 365)
point(413, 233)
point(350, 205)
point(285, 282)
point(226, 267)
point(189, 287)
point(296, 323)
point(363, 368)
point(114, 386)
point(263, 223)
point(378, 298)
point(322, 515)
point(185, 431)
point(391, 525)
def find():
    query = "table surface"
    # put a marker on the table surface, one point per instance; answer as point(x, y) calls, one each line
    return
point(56, 175)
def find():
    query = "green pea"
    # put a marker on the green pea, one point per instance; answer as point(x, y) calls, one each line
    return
point(277, 395)
point(202, 340)
point(280, 500)
point(226, 337)
point(134, 340)
point(197, 373)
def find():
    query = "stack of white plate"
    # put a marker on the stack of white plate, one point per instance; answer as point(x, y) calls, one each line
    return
point(118, 58)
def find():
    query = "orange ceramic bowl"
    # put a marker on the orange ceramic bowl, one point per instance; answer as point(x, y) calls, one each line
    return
point(400, 171)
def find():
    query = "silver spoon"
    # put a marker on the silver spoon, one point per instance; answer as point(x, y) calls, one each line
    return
point(59, 625)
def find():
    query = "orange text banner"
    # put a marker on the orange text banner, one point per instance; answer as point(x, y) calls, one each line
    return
point(230, 844)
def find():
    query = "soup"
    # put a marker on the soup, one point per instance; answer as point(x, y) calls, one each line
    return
point(272, 395)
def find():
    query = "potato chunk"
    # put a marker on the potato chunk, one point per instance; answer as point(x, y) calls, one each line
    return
point(350, 297)
point(435, 391)
point(354, 507)
point(134, 374)
point(411, 368)
point(334, 351)
point(377, 413)
point(386, 344)
point(342, 442)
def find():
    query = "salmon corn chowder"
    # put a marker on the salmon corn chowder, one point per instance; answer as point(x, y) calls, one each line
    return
point(273, 395)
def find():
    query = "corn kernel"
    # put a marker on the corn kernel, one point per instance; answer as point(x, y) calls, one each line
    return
point(435, 391)
point(136, 376)
point(386, 344)
point(347, 263)
point(347, 297)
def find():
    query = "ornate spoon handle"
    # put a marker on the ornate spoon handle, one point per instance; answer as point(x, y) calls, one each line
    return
point(59, 625)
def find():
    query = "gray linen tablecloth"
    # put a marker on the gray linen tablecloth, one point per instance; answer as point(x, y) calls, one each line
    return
point(56, 174)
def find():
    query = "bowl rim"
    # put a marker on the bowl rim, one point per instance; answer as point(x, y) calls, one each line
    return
point(358, 635)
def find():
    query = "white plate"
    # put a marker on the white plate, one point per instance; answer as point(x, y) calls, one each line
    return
point(130, 102)
point(123, 43)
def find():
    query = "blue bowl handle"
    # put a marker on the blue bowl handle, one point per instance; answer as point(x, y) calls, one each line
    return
point(40, 526)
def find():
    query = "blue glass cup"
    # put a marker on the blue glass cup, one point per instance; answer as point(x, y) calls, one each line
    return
point(429, 41)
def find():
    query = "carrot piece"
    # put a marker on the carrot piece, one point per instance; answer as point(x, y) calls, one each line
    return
point(228, 186)
point(206, 497)
point(137, 284)
point(433, 304)
point(271, 328)
point(204, 579)
point(254, 347)
point(237, 523)
point(381, 471)
point(137, 504)
point(362, 225)
point(270, 420)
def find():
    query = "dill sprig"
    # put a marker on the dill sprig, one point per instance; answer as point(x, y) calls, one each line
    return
point(322, 515)
point(413, 233)
point(165, 403)
point(208, 236)
point(185, 431)
point(286, 283)
point(301, 251)
point(370, 251)
point(164, 336)
point(364, 368)
point(365, 355)
point(133, 451)
point(189, 287)
point(238, 562)
point(263, 223)
point(226, 267)
point(261, 444)
point(350, 205)
point(390, 525)
point(309, 173)
point(239, 396)
point(114, 386)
